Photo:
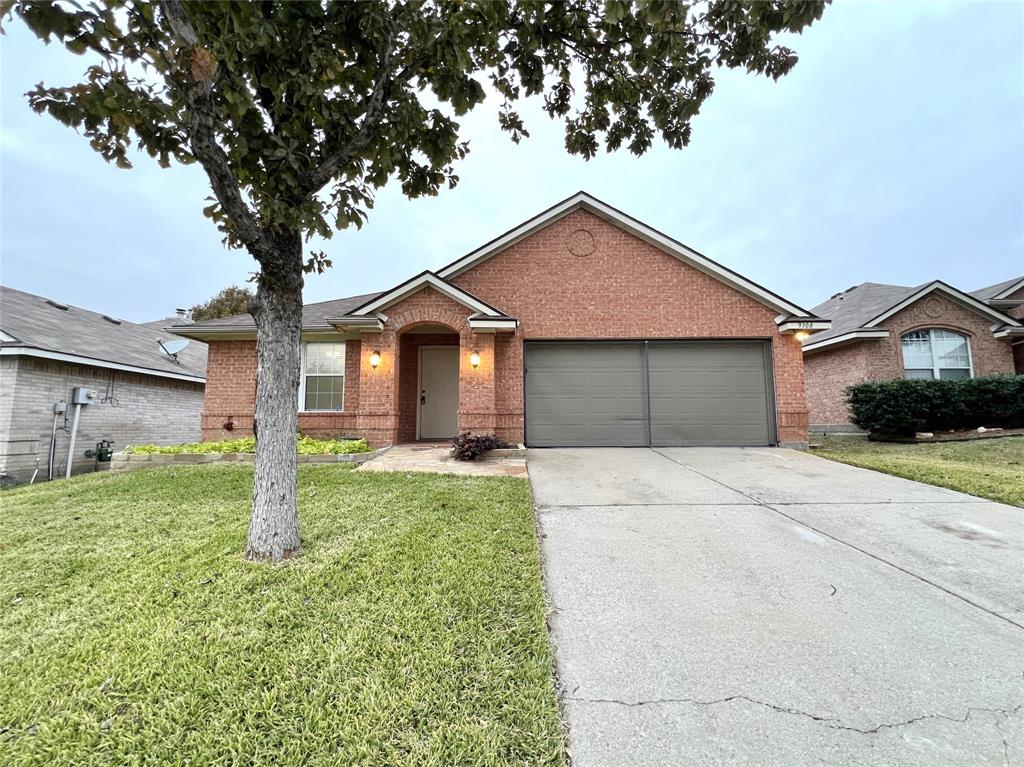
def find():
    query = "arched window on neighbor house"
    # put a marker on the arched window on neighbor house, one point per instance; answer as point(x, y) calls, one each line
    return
point(936, 353)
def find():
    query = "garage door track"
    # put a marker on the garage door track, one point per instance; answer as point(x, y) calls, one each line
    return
point(768, 607)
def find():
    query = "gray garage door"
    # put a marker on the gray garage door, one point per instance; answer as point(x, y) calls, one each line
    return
point(662, 393)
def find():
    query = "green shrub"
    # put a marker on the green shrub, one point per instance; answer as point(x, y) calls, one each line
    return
point(901, 407)
point(310, 446)
point(306, 445)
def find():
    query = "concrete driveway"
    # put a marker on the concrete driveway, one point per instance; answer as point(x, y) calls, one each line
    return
point(767, 607)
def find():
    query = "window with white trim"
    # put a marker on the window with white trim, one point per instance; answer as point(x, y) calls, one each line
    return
point(322, 387)
point(934, 353)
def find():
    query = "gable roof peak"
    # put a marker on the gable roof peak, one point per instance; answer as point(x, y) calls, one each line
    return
point(869, 304)
point(633, 226)
point(418, 282)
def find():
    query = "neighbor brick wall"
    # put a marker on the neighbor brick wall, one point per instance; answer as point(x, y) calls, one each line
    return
point(140, 409)
point(1018, 348)
point(622, 287)
point(829, 372)
point(989, 355)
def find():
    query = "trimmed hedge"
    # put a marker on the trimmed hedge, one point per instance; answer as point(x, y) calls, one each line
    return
point(901, 407)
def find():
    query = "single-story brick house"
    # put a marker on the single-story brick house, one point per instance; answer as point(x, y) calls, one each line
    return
point(48, 350)
point(581, 326)
point(880, 332)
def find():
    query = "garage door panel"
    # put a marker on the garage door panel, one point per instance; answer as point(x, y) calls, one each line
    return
point(585, 394)
point(594, 393)
point(708, 394)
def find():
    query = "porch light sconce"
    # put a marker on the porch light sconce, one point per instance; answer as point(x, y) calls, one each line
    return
point(374, 359)
point(801, 335)
point(474, 360)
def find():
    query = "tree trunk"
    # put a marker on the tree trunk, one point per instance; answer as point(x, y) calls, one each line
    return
point(277, 309)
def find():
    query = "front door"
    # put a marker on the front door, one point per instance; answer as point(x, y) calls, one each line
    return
point(439, 392)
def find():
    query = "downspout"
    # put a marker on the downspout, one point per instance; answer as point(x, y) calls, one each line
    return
point(74, 436)
point(53, 444)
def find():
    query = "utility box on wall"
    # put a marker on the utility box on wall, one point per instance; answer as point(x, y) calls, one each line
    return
point(82, 396)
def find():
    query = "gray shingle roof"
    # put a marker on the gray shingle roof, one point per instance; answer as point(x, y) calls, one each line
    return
point(850, 309)
point(166, 322)
point(40, 323)
point(313, 315)
point(994, 290)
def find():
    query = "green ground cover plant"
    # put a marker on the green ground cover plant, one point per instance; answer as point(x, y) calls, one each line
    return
point(306, 445)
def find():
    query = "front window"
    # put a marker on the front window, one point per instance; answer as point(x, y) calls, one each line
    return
point(323, 377)
point(935, 353)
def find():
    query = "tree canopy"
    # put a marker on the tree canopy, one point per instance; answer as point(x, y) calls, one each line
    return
point(231, 300)
point(279, 100)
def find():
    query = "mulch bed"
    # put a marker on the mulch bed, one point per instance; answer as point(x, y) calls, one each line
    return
point(952, 436)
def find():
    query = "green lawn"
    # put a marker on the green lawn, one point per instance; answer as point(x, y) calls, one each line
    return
point(990, 468)
point(410, 632)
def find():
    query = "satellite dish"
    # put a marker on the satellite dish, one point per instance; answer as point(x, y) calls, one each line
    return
point(171, 348)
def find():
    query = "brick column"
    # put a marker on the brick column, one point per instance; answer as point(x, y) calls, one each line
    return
point(790, 398)
point(378, 389)
point(477, 386)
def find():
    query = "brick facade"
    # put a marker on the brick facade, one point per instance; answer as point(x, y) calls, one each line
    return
point(129, 409)
point(580, 277)
point(231, 394)
point(830, 371)
point(623, 288)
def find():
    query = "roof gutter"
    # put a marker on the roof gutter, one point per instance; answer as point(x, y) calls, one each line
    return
point(213, 332)
point(806, 325)
point(493, 324)
point(853, 336)
point(28, 351)
point(1009, 331)
point(356, 322)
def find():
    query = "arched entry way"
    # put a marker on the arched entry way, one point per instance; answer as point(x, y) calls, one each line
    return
point(428, 382)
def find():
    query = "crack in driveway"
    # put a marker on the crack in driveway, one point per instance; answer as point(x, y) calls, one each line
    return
point(830, 722)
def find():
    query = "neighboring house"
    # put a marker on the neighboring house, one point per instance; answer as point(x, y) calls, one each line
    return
point(1009, 297)
point(48, 349)
point(881, 332)
point(581, 326)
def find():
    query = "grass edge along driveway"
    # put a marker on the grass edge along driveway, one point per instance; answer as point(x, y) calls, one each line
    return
point(410, 631)
point(988, 468)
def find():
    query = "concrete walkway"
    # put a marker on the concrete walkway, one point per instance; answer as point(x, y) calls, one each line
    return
point(437, 460)
point(768, 607)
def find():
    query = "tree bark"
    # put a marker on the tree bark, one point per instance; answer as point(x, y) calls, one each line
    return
point(277, 309)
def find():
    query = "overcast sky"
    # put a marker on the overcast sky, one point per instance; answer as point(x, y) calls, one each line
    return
point(894, 152)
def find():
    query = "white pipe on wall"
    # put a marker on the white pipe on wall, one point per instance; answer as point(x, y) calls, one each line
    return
point(74, 436)
point(52, 455)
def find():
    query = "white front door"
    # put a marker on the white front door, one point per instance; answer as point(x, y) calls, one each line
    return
point(439, 392)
